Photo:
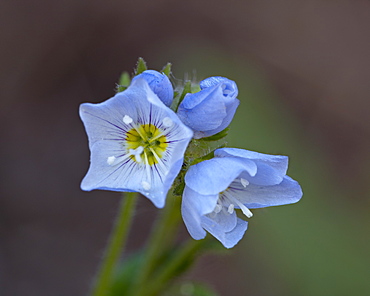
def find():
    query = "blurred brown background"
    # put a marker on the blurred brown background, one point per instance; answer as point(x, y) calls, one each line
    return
point(303, 70)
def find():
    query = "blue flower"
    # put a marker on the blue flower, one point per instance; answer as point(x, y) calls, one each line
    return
point(136, 143)
point(234, 179)
point(160, 85)
point(210, 110)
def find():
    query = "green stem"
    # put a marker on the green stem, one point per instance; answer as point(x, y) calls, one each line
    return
point(162, 234)
point(115, 245)
point(187, 253)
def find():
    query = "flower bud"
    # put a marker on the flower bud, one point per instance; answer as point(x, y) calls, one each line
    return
point(160, 85)
point(210, 110)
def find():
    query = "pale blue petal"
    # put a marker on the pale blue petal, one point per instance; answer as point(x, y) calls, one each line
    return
point(228, 239)
point(204, 110)
point(230, 112)
point(254, 196)
point(101, 175)
point(203, 204)
point(229, 87)
point(190, 214)
point(160, 85)
point(278, 162)
point(215, 175)
point(225, 221)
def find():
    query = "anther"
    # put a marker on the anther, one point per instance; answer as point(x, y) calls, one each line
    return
point(145, 185)
point(218, 208)
point(230, 209)
point(244, 182)
point(127, 119)
point(167, 122)
point(110, 160)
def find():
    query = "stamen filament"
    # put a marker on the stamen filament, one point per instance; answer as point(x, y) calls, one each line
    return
point(234, 200)
point(160, 162)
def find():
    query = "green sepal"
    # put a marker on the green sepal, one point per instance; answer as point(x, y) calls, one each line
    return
point(123, 82)
point(140, 66)
point(178, 99)
point(167, 69)
point(218, 136)
point(205, 157)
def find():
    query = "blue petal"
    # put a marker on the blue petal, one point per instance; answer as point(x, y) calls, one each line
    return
point(228, 239)
point(224, 220)
point(204, 110)
point(215, 175)
point(229, 87)
point(278, 162)
point(271, 169)
point(230, 112)
point(191, 215)
point(254, 196)
point(202, 204)
point(160, 84)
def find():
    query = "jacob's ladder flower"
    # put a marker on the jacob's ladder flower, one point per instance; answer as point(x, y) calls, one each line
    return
point(234, 179)
point(136, 143)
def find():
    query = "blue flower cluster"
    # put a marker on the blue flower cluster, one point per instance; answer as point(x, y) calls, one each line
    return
point(138, 144)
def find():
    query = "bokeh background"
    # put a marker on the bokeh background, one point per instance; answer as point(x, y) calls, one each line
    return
point(303, 70)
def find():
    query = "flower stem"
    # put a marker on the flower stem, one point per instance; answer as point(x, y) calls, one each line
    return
point(187, 253)
point(115, 245)
point(161, 236)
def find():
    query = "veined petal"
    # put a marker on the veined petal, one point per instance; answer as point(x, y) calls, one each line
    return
point(225, 221)
point(271, 169)
point(190, 214)
point(202, 204)
point(254, 196)
point(215, 175)
point(278, 162)
point(228, 239)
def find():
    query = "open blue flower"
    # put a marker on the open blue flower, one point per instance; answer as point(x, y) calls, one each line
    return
point(234, 179)
point(136, 143)
point(210, 110)
point(160, 85)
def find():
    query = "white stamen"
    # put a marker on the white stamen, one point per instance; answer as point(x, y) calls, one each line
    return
point(244, 182)
point(230, 209)
point(218, 208)
point(160, 162)
point(127, 119)
point(110, 160)
point(167, 122)
point(145, 185)
point(234, 200)
point(137, 152)
point(147, 167)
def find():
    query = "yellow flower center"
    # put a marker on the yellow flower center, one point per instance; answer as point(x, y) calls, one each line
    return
point(151, 139)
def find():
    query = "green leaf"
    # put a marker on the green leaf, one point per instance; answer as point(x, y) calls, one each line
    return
point(126, 274)
point(140, 66)
point(190, 289)
point(123, 82)
point(167, 69)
